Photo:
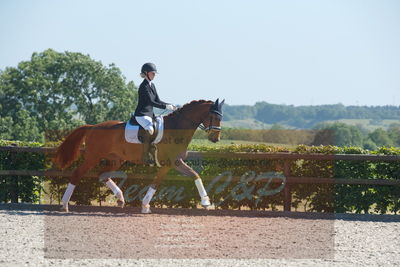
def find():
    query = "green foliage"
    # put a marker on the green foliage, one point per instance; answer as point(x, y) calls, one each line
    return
point(394, 133)
point(369, 144)
point(55, 92)
point(342, 134)
point(380, 138)
point(20, 188)
point(6, 124)
point(339, 134)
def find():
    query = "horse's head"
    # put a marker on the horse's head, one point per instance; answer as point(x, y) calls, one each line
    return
point(211, 122)
point(206, 115)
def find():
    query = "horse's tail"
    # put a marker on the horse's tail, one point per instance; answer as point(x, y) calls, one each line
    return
point(69, 150)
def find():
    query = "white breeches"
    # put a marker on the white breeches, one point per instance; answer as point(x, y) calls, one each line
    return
point(146, 122)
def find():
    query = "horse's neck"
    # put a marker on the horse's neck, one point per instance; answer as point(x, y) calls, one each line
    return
point(181, 121)
point(178, 132)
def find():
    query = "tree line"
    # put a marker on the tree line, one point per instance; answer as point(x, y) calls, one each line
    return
point(341, 134)
point(307, 117)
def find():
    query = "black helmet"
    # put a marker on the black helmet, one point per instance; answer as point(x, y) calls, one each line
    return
point(148, 67)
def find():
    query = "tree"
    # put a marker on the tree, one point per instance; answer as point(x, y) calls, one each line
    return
point(339, 134)
point(6, 124)
point(58, 91)
point(381, 138)
point(394, 133)
point(369, 144)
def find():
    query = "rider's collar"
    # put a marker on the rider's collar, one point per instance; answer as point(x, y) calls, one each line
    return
point(149, 82)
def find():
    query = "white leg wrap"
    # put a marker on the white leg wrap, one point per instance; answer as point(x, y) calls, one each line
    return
point(200, 187)
point(205, 201)
point(115, 189)
point(149, 195)
point(68, 194)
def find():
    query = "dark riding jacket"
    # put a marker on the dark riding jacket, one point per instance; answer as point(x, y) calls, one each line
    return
point(148, 98)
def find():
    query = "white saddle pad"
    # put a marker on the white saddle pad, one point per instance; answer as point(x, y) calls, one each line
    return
point(131, 132)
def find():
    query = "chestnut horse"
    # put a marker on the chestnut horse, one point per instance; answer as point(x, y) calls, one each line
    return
point(107, 141)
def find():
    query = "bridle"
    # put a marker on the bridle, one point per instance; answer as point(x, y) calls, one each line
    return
point(201, 125)
point(210, 126)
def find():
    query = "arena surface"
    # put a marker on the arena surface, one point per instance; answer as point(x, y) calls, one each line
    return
point(34, 235)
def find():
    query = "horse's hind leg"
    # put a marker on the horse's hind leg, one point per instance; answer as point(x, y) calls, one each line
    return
point(75, 178)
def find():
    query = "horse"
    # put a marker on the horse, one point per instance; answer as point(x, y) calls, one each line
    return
point(106, 141)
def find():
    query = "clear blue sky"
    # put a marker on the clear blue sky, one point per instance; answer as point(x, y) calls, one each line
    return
point(292, 52)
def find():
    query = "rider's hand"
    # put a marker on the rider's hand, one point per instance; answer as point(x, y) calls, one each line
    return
point(171, 107)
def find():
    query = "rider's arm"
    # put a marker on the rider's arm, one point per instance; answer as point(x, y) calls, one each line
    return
point(153, 100)
point(159, 101)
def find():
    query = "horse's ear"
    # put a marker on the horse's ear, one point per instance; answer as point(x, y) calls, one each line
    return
point(220, 104)
point(216, 103)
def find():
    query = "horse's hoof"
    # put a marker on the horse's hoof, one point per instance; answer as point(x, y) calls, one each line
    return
point(205, 201)
point(146, 209)
point(209, 207)
point(120, 203)
point(64, 209)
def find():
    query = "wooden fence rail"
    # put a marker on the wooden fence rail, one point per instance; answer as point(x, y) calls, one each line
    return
point(285, 156)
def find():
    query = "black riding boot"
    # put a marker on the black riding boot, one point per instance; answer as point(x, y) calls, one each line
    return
point(149, 151)
point(153, 153)
point(147, 157)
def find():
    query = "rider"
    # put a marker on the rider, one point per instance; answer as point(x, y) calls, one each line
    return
point(148, 98)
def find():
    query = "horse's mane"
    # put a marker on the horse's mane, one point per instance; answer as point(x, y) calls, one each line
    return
point(188, 106)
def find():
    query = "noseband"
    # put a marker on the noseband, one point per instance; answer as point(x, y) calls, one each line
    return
point(210, 127)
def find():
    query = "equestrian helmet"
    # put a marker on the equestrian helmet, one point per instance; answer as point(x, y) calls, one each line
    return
point(148, 67)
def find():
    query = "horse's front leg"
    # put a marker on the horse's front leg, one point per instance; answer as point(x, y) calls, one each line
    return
point(185, 169)
point(153, 188)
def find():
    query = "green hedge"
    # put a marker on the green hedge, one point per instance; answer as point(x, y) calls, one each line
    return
point(248, 190)
point(20, 188)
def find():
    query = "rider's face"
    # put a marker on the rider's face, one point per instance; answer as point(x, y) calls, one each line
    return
point(151, 75)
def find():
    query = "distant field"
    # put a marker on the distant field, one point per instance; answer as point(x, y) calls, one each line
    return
point(368, 124)
point(246, 124)
point(224, 142)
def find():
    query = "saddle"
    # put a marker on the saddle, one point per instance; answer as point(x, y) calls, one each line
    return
point(136, 131)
